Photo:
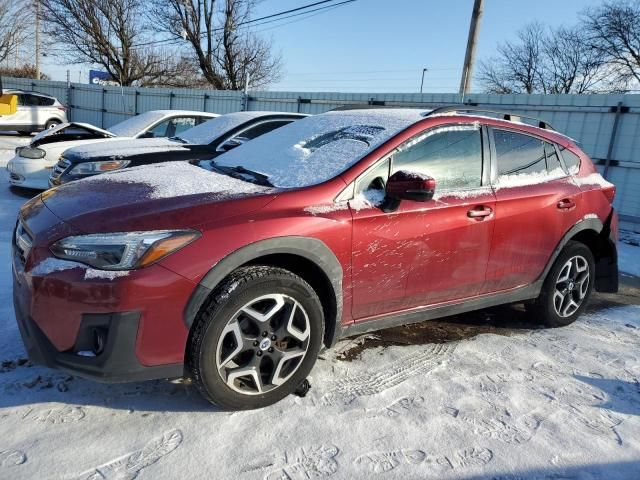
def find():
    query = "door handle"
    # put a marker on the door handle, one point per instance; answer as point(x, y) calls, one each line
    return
point(479, 212)
point(566, 204)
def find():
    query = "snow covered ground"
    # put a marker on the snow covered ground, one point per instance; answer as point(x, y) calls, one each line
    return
point(500, 399)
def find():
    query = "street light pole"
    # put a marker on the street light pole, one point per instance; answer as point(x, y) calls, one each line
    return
point(424, 70)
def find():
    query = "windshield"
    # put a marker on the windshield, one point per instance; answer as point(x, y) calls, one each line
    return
point(317, 148)
point(207, 132)
point(135, 125)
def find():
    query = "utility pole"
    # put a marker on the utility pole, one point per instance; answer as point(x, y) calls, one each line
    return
point(37, 39)
point(470, 56)
point(424, 70)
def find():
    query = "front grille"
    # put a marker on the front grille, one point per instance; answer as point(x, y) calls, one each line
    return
point(61, 167)
point(23, 242)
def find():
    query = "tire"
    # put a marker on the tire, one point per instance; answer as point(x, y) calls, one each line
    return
point(564, 295)
point(51, 124)
point(226, 341)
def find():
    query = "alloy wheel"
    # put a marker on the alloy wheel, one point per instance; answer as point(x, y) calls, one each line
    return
point(263, 344)
point(572, 286)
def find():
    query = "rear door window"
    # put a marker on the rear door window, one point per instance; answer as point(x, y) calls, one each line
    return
point(519, 154)
point(452, 156)
point(179, 125)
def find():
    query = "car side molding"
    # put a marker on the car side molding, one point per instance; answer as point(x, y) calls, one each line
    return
point(311, 249)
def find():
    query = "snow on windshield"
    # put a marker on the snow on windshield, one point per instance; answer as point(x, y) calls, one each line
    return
point(134, 125)
point(207, 132)
point(175, 179)
point(317, 148)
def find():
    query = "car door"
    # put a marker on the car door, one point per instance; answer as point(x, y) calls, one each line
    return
point(424, 253)
point(536, 203)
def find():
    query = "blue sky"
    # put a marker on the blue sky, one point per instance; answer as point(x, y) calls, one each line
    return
point(382, 45)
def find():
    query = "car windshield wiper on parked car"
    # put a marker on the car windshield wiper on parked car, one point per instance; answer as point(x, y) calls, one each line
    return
point(242, 173)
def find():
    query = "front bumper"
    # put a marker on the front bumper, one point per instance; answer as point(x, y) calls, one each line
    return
point(117, 361)
point(29, 173)
point(58, 311)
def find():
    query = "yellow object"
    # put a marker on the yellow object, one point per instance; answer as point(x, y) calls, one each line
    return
point(8, 104)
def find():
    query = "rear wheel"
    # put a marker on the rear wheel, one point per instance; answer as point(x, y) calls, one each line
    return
point(51, 124)
point(567, 288)
point(257, 339)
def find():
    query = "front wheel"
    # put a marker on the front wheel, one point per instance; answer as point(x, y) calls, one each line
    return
point(567, 288)
point(257, 338)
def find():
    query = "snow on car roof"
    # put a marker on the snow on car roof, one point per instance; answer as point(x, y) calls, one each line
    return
point(317, 148)
point(207, 132)
point(136, 125)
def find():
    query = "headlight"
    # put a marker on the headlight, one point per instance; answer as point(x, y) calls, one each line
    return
point(123, 251)
point(93, 168)
point(30, 152)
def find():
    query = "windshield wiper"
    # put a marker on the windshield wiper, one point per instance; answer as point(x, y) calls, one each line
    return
point(179, 139)
point(241, 173)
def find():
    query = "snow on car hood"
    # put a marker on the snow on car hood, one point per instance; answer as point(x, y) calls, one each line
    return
point(122, 148)
point(49, 133)
point(154, 196)
point(317, 148)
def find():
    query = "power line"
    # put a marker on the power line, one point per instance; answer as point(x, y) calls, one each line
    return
point(258, 21)
point(323, 10)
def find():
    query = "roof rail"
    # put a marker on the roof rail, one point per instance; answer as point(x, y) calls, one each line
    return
point(509, 116)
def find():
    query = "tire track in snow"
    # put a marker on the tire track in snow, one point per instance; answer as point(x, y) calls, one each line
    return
point(343, 392)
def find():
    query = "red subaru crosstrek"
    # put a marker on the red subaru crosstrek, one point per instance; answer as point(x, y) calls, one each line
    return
point(236, 274)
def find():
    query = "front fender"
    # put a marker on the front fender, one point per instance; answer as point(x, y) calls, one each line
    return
point(311, 249)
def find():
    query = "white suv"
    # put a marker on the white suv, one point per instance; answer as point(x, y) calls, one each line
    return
point(36, 111)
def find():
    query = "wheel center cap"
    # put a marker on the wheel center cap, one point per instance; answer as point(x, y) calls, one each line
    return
point(265, 344)
point(571, 286)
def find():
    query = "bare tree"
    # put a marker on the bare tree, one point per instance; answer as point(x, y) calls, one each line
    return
point(547, 61)
point(13, 27)
point(614, 33)
point(518, 65)
point(105, 32)
point(226, 51)
point(570, 65)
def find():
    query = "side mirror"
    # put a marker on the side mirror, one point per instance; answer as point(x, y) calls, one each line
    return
point(230, 144)
point(406, 185)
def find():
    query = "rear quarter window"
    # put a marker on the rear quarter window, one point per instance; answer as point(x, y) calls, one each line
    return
point(571, 160)
point(46, 101)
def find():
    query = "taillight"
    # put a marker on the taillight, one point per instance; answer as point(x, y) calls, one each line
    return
point(609, 192)
point(63, 108)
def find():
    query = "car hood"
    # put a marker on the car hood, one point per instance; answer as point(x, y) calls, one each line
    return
point(161, 196)
point(60, 133)
point(119, 149)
